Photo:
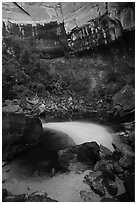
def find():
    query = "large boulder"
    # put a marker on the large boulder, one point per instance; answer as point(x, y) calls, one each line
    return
point(126, 162)
point(131, 138)
point(94, 180)
point(117, 168)
point(129, 183)
point(106, 167)
point(105, 151)
point(18, 132)
point(87, 152)
point(5, 193)
point(124, 102)
point(123, 197)
point(111, 186)
point(97, 187)
point(122, 147)
point(100, 184)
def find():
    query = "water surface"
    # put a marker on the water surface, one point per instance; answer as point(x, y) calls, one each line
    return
point(64, 187)
point(82, 132)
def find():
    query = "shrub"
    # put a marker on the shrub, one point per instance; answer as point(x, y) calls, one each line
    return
point(25, 73)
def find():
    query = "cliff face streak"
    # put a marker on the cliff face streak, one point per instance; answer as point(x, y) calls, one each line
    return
point(52, 37)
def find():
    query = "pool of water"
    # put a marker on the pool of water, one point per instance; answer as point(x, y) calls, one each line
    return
point(64, 187)
point(79, 132)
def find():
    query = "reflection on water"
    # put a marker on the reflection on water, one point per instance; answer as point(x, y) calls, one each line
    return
point(82, 132)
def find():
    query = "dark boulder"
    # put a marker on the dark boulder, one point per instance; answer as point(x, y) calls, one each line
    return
point(123, 197)
point(94, 181)
point(131, 137)
point(129, 184)
point(122, 103)
point(104, 150)
point(117, 168)
point(4, 193)
point(129, 116)
point(116, 155)
point(99, 165)
point(126, 161)
point(108, 175)
point(87, 152)
point(104, 164)
point(106, 167)
point(97, 187)
point(18, 132)
point(124, 148)
point(92, 176)
point(111, 186)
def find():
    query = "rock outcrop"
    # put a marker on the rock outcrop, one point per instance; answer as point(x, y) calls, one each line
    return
point(18, 133)
point(125, 106)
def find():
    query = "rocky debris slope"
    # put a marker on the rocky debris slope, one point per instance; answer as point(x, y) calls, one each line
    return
point(118, 108)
